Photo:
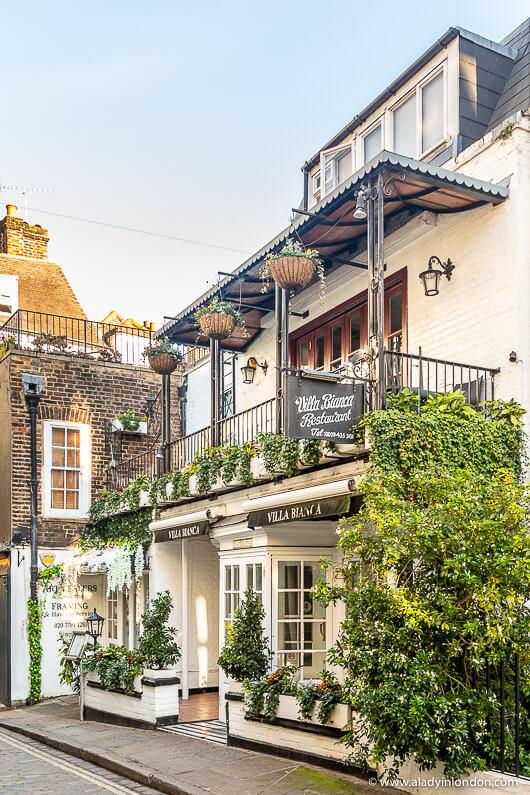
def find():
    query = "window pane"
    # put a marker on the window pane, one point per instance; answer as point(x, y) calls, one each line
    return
point(57, 499)
point(344, 167)
point(432, 112)
point(72, 480)
point(58, 456)
point(72, 500)
point(312, 608)
point(236, 578)
point(303, 353)
point(355, 332)
point(72, 458)
point(395, 312)
point(289, 635)
point(57, 479)
point(228, 605)
point(315, 635)
point(405, 128)
point(250, 575)
point(312, 571)
point(73, 437)
point(289, 658)
point(288, 575)
point(58, 437)
point(228, 578)
point(372, 144)
point(319, 352)
point(336, 344)
point(289, 604)
point(259, 577)
point(313, 664)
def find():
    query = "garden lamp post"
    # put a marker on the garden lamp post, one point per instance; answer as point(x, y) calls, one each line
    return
point(95, 626)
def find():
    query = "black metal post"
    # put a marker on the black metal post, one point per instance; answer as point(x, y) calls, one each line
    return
point(381, 289)
point(305, 201)
point(33, 402)
point(166, 420)
point(278, 305)
point(285, 354)
point(214, 392)
point(372, 281)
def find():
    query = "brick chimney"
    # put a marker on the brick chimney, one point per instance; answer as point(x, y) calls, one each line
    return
point(21, 239)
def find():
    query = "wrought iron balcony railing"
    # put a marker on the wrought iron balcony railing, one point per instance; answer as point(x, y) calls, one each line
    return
point(422, 374)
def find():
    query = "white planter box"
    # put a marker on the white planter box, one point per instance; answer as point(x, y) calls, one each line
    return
point(339, 717)
point(257, 467)
point(194, 491)
point(220, 485)
point(155, 702)
point(169, 491)
point(145, 502)
point(117, 425)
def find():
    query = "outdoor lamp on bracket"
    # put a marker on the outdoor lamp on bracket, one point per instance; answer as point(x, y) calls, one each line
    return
point(363, 194)
point(248, 371)
point(95, 626)
point(431, 277)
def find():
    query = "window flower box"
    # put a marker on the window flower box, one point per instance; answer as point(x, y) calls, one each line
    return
point(117, 426)
point(154, 703)
point(288, 709)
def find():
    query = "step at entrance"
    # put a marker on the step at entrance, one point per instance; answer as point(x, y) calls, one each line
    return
point(212, 730)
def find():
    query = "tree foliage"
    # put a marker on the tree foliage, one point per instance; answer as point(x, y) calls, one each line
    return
point(245, 654)
point(435, 579)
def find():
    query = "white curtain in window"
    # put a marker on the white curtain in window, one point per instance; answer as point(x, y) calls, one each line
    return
point(405, 128)
point(432, 112)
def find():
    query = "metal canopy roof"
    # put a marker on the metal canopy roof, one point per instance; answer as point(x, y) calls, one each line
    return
point(412, 187)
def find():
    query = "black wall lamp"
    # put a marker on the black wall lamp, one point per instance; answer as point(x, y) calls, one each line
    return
point(248, 371)
point(431, 277)
point(95, 626)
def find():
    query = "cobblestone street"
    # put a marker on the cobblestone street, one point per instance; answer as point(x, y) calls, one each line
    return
point(30, 767)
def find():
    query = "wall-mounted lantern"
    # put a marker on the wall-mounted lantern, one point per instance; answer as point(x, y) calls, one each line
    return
point(248, 371)
point(431, 277)
point(95, 626)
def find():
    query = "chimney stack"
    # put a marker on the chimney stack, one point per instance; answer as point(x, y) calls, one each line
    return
point(21, 239)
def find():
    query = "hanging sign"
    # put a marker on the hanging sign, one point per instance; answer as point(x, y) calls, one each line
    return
point(318, 409)
point(183, 532)
point(312, 509)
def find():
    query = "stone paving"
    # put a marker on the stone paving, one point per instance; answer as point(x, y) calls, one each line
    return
point(173, 763)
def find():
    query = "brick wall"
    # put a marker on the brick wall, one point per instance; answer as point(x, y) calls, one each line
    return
point(21, 239)
point(75, 390)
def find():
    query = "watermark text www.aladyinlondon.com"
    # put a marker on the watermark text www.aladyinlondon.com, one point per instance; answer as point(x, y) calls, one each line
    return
point(440, 783)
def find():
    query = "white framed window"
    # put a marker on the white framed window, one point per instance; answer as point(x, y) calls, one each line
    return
point(232, 592)
point(315, 188)
point(300, 621)
point(336, 165)
point(66, 471)
point(373, 142)
point(419, 122)
point(112, 616)
point(255, 579)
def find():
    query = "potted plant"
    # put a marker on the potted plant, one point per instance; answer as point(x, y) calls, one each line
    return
point(130, 422)
point(163, 356)
point(157, 647)
point(293, 267)
point(218, 319)
point(246, 653)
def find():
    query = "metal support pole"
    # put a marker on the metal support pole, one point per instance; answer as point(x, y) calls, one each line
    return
point(166, 420)
point(380, 270)
point(372, 281)
point(185, 622)
point(33, 402)
point(278, 305)
point(214, 391)
point(285, 354)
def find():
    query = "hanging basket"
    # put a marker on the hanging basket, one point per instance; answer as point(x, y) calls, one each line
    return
point(163, 363)
point(217, 325)
point(292, 272)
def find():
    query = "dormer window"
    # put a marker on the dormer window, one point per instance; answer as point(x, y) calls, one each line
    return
point(432, 113)
point(316, 188)
point(418, 122)
point(372, 143)
point(336, 165)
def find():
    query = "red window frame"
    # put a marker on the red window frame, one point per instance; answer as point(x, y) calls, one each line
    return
point(341, 315)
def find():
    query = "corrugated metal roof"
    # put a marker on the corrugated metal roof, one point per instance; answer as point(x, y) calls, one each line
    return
point(475, 191)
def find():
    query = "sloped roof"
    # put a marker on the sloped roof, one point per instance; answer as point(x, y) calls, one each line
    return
point(516, 93)
point(42, 286)
point(118, 320)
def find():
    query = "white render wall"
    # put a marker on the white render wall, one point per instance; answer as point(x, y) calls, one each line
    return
point(478, 318)
point(203, 602)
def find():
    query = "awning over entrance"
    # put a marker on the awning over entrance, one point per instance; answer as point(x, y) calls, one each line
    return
point(411, 187)
point(188, 525)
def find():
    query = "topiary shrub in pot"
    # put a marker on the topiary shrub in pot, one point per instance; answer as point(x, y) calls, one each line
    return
point(246, 653)
point(157, 645)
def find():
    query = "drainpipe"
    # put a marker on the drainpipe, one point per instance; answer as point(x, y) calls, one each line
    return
point(185, 614)
point(32, 385)
point(285, 354)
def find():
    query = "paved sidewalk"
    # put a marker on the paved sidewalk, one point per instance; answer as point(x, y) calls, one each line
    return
point(173, 763)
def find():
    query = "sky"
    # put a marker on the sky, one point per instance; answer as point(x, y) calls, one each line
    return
point(190, 120)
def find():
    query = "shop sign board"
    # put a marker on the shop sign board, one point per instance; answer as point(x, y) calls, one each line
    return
point(183, 532)
point(320, 409)
point(311, 509)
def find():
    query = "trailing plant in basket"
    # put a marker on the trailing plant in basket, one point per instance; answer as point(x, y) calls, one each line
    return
point(157, 647)
point(218, 305)
point(246, 653)
point(293, 248)
point(163, 345)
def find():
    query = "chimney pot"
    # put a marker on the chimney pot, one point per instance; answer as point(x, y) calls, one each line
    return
point(12, 209)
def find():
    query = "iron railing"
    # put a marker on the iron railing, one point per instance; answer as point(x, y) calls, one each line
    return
point(427, 376)
point(90, 339)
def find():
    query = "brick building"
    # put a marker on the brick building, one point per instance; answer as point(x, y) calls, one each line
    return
point(91, 374)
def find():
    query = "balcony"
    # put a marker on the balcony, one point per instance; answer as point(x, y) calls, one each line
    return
point(86, 339)
point(423, 375)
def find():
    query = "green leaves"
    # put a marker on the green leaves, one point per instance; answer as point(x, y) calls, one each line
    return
point(35, 613)
point(157, 647)
point(245, 654)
